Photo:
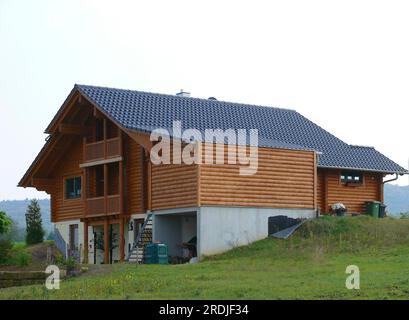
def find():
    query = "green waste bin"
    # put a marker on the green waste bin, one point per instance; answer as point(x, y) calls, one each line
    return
point(372, 208)
point(156, 253)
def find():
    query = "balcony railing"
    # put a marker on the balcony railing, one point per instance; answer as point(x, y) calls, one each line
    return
point(98, 207)
point(102, 150)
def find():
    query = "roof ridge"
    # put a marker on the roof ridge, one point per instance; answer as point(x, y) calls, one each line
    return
point(361, 146)
point(79, 86)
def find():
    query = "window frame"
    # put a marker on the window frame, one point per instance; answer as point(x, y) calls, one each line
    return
point(353, 181)
point(65, 179)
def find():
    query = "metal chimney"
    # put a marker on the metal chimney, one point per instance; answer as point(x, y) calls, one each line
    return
point(183, 93)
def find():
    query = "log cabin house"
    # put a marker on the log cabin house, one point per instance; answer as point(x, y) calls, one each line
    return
point(106, 193)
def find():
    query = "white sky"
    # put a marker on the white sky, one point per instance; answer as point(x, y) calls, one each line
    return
point(343, 64)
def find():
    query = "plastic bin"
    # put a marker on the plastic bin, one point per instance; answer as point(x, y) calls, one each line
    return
point(382, 210)
point(156, 253)
point(372, 208)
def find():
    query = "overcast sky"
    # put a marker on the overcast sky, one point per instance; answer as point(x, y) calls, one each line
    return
point(343, 64)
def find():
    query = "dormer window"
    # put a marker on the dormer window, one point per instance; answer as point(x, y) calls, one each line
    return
point(351, 177)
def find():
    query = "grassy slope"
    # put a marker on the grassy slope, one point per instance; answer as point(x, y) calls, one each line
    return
point(309, 266)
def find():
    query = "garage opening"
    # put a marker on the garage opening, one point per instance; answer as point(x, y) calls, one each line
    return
point(179, 232)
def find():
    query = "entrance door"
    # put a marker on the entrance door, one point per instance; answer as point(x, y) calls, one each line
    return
point(73, 251)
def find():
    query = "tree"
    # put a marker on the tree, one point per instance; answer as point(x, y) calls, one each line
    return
point(34, 224)
point(5, 245)
point(5, 223)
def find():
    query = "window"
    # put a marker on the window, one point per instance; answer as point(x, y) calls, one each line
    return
point(352, 177)
point(73, 188)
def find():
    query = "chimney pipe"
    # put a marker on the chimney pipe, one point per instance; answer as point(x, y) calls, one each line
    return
point(183, 93)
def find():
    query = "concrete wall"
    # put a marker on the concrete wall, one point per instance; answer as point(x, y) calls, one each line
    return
point(168, 231)
point(64, 230)
point(224, 228)
point(173, 228)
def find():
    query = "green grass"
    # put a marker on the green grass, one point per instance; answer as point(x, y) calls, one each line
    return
point(19, 245)
point(310, 265)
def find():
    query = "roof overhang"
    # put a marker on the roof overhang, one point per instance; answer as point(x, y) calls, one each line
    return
point(364, 169)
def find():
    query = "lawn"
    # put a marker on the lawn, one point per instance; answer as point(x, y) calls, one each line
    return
point(310, 265)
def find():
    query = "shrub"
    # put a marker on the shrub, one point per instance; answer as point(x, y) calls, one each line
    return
point(70, 264)
point(5, 250)
point(5, 222)
point(404, 215)
point(20, 258)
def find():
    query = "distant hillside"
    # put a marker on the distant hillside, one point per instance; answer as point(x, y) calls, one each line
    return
point(16, 209)
point(397, 198)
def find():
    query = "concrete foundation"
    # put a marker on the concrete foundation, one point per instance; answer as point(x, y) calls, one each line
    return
point(218, 229)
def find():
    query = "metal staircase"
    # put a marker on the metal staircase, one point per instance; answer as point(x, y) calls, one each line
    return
point(144, 237)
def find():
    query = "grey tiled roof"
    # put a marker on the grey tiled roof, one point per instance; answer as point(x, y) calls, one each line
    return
point(277, 127)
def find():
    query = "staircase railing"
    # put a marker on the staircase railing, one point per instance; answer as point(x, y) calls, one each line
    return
point(138, 238)
point(60, 242)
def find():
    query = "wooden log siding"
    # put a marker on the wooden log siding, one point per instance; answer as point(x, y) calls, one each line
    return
point(174, 186)
point(284, 179)
point(353, 196)
point(133, 177)
point(63, 209)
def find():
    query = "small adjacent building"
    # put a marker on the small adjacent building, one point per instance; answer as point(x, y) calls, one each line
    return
point(108, 199)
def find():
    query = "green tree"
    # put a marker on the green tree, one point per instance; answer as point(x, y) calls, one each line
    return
point(34, 224)
point(5, 223)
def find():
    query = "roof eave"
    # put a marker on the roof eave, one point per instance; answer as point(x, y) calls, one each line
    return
point(366, 169)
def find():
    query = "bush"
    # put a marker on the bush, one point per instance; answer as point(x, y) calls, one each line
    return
point(5, 223)
point(404, 215)
point(20, 258)
point(5, 250)
point(70, 264)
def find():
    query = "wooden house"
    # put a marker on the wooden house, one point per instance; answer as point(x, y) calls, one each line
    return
point(108, 199)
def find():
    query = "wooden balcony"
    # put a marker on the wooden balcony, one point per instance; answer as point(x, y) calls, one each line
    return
point(102, 150)
point(103, 206)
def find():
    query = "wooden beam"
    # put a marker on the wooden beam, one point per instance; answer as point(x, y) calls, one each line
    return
point(100, 162)
point(141, 138)
point(106, 188)
point(121, 175)
point(98, 114)
point(74, 129)
point(42, 181)
point(85, 260)
point(149, 185)
point(106, 241)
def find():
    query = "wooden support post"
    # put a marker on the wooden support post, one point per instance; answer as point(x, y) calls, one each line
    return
point(84, 182)
point(106, 241)
point(149, 185)
point(85, 260)
point(106, 189)
point(121, 176)
point(105, 138)
point(121, 239)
